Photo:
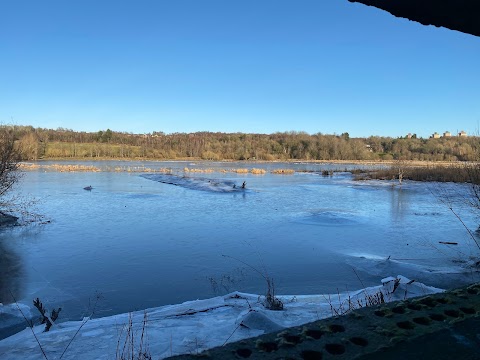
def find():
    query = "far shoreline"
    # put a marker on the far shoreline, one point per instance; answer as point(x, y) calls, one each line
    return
point(397, 170)
point(419, 163)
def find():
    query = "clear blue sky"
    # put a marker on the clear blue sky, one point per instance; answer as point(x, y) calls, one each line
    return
point(258, 66)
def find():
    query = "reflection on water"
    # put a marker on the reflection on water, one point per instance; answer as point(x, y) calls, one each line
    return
point(11, 273)
point(399, 203)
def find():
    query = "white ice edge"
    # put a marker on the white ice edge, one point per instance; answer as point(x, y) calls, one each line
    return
point(192, 326)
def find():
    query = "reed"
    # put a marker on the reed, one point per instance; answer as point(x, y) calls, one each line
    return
point(189, 170)
point(283, 171)
point(457, 174)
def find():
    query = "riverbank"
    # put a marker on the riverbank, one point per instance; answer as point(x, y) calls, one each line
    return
point(465, 173)
point(440, 326)
point(195, 326)
point(415, 163)
point(459, 172)
point(7, 220)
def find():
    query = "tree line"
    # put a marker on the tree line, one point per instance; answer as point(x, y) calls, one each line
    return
point(38, 143)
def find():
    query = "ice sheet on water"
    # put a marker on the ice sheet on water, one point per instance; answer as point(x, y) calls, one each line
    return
point(374, 185)
point(328, 217)
point(378, 265)
point(196, 183)
point(13, 309)
point(195, 325)
point(11, 317)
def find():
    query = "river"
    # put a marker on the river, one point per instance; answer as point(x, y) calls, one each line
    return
point(137, 241)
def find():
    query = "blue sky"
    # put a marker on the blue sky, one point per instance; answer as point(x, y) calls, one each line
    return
point(258, 66)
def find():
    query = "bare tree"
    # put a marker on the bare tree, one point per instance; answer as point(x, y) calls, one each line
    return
point(9, 163)
point(472, 199)
point(473, 171)
point(400, 169)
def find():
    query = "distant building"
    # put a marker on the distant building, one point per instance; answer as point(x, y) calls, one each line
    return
point(462, 134)
point(409, 136)
point(447, 134)
point(435, 135)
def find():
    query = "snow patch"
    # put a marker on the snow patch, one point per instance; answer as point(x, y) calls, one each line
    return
point(193, 326)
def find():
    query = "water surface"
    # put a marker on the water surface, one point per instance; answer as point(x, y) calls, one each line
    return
point(140, 241)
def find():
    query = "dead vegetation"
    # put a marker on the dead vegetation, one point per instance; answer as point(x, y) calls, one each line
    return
point(454, 200)
point(9, 161)
point(270, 301)
point(143, 169)
point(454, 173)
point(283, 171)
point(135, 343)
point(366, 299)
point(47, 319)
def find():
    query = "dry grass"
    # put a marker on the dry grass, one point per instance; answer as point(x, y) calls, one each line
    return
point(367, 299)
point(133, 348)
point(74, 168)
point(258, 171)
point(86, 168)
point(240, 171)
point(140, 169)
point(283, 171)
point(453, 173)
point(188, 170)
point(348, 305)
point(28, 166)
point(60, 168)
point(271, 302)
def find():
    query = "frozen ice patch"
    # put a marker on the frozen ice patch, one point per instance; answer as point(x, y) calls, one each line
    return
point(16, 310)
point(195, 325)
point(378, 265)
point(13, 316)
point(196, 183)
point(324, 217)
